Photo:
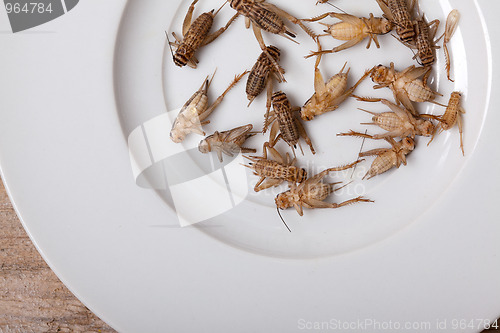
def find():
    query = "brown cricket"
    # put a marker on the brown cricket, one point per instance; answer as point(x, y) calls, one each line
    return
point(327, 2)
point(228, 142)
point(452, 116)
point(406, 85)
point(193, 113)
point(424, 41)
point(399, 122)
point(328, 96)
point(312, 192)
point(274, 172)
point(387, 158)
point(265, 16)
point(195, 35)
point(284, 121)
point(353, 30)
point(399, 12)
point(261, 76)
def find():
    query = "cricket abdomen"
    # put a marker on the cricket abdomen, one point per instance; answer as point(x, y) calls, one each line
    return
point(193, 39)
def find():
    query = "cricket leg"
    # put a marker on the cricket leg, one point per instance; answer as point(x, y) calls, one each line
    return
point(343, 167)
point(268, 103)
point(245, 150)
point(210, 38)
point(187, 20)
point(273, 134)
point(373, 152)
point(221, 97)
point(434, 133)
point(319, 82)
point(256, 187)
point(274, 153)
point(366, 99)
point(356, 134)
point(291, 18)
point(298, 208)
point(348, 44)
point(303, 134)
point(258, 35)
point(270, 182)
point(350, 202)
point(460, 124)
point(448, 62)
point(318, 18)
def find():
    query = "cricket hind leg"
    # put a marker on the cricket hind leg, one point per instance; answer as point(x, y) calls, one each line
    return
point(303, 134)
point(258, 35)
point(366, 99)
point(401, 97)
point(273, 134)
point(339, 48)
point(291, 18)
point(210, 38)
point(344, 167)
point(349, 44)
point(351, 201)
point(274, 153)
point(245, 150)
point(269, 89)
point(425, 79)
point(447, 62)
point(193, 62)
point(219, 99)
point(357, 134)
point(460, 129)
point(318, 177)
point(349, 92)
point(373, 152)
point(314, 203)
point(187, 19)
point(318, 18)
point(267, 183)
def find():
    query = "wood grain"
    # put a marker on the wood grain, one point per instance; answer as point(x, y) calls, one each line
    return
point(32, 299)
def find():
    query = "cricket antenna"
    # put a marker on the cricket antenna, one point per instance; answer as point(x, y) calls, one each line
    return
point(278, 210)
point(331, 4)
point(360, 148)
point(169, 45)
point(221, 7)
point(211, 79)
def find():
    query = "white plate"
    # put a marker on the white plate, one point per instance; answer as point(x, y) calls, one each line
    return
point(253, 224)
point(426, 250)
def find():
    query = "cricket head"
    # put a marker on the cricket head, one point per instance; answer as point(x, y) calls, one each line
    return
point(177, 135)
point(274, 52)
point(424, 127)
point(183, 54)
point(204, 146)
point(385, 25)
point(456, 95)
point(300, 174)
point(380, 74)
point(235, 4)
point(284, 200)
point(307, 112)
point(408, 144)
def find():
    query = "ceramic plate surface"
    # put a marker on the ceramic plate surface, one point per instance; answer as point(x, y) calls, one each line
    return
point(101, 190)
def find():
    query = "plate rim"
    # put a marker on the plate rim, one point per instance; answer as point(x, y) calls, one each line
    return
point(59, 270)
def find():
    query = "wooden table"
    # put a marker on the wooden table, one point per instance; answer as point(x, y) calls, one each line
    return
point(32, 299)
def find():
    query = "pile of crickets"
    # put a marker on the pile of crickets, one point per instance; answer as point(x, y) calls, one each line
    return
point(402, 122)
